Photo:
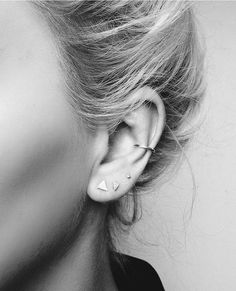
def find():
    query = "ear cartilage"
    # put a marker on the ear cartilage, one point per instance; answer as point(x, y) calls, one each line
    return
point(102, 186)
point(115, 186)
point(128, 176)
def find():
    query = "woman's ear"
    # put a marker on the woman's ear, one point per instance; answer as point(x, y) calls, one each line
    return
point(119, 163)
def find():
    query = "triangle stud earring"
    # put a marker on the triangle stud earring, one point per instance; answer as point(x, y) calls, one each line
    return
point(115, 186)
point(102, 186)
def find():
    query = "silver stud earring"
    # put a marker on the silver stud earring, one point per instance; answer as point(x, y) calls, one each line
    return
point(115, 185)
point(128, 176)
point(102, 186)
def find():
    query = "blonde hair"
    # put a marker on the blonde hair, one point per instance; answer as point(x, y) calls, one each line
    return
point(110, 48)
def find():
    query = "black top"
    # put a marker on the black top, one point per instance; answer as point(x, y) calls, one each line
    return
point(131, 273)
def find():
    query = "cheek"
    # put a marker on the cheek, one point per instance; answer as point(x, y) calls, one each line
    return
point(42, 177)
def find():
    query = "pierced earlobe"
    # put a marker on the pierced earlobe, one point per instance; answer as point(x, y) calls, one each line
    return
point(102, 186)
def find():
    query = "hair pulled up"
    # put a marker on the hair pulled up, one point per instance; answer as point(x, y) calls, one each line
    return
point(110, 48)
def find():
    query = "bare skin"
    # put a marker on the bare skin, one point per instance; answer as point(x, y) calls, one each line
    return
point(49, 171)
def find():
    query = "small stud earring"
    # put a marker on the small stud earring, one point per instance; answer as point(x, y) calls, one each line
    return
point(115, 186)
point(128, 176)
point(102, 186)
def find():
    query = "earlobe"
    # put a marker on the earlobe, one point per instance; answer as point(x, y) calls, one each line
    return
point(110, 181)
point(132, 147)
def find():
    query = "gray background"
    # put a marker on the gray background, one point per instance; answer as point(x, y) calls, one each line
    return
point(200, 253)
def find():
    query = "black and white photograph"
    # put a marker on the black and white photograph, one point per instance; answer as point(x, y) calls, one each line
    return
point(117, 145)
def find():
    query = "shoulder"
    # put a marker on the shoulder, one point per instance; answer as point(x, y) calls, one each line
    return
point(131, 273)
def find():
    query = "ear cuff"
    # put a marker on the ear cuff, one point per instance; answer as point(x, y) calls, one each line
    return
point(145, 147)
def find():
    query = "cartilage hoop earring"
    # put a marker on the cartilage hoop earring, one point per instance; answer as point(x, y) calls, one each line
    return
point(145, 147)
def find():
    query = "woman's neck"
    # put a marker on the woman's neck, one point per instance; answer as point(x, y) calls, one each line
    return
point(84, 266)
